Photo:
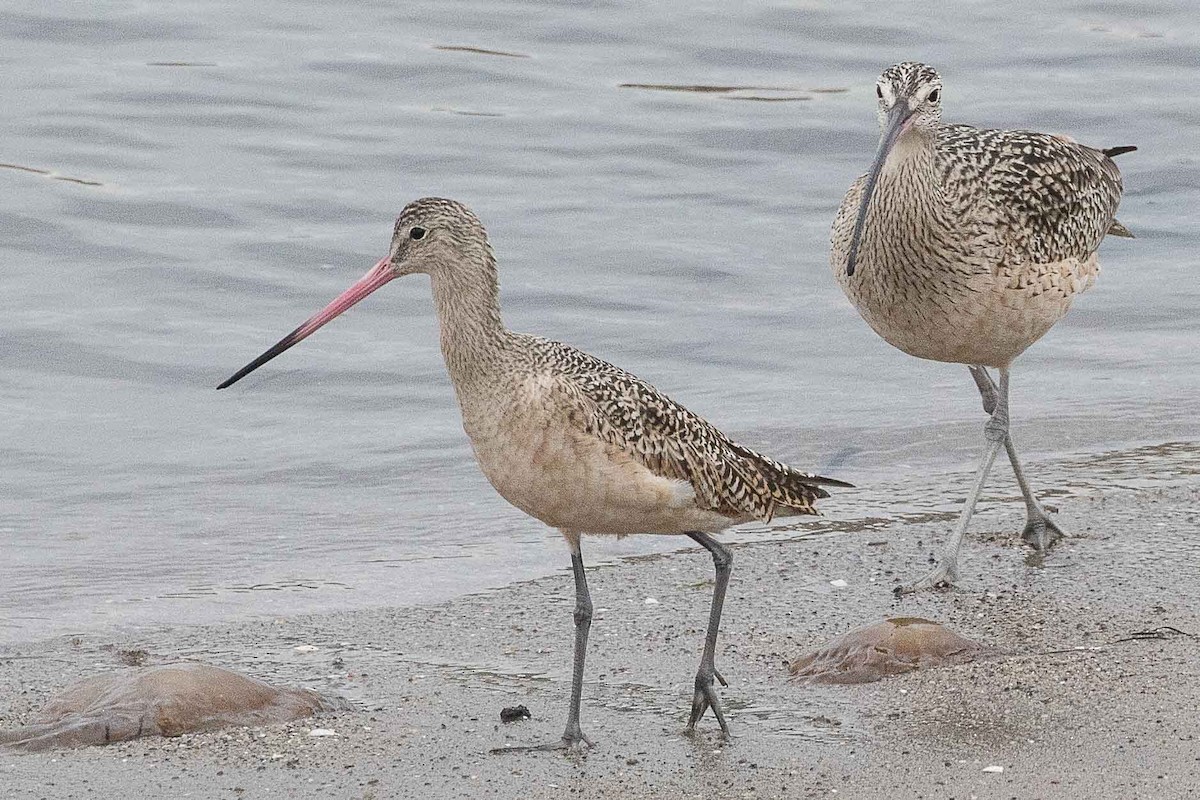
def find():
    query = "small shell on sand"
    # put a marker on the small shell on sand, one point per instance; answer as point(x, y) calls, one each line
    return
point(890, 647)
point(166, 700)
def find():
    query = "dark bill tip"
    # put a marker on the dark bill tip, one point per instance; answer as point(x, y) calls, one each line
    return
point(276, 349)
point(378, 275)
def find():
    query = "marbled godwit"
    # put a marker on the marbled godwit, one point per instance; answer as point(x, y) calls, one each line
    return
point(572, 440)
point(967, 245)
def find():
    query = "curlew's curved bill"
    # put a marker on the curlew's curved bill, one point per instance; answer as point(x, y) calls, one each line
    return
point(894, 124)
point(380, 274)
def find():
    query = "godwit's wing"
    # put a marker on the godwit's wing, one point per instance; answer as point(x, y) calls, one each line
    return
point(626, 412)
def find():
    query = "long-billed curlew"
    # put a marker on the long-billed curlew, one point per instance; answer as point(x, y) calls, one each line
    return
point(572, 440)
point(967, 245)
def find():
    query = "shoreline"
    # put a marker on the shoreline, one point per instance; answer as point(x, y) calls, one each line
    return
point(428, 682)
point(264, 578)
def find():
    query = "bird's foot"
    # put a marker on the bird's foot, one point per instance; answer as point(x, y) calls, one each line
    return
point(943, 576)
point(573, 743)
point(1041, 531)
point(705, 697)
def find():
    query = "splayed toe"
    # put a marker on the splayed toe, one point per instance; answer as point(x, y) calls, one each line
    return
point(1041, 533)
point(943, 576)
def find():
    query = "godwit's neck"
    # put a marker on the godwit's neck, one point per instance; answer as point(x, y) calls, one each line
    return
point(467, 296)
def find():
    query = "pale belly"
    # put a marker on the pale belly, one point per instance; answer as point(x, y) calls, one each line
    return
point(981, 306)
point(572, 481)
point(985, 319)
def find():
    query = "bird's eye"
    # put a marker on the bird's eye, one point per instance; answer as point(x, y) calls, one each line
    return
point(879, 91)
point(933, 96)
point(416, 233)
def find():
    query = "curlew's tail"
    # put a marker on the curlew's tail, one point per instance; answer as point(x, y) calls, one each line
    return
point(1117, 229)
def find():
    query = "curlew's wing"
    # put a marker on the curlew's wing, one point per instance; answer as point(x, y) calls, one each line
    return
point(672, 442)
point(1045, 198)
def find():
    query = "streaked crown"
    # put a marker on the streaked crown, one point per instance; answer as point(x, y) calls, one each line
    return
point(908, 78)
point(439, 212)
point(915, 84)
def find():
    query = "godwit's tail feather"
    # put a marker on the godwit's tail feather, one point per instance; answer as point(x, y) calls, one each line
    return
point(790, 491)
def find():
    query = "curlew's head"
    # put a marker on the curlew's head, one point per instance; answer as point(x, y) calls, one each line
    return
point(910, 109)
point(432, 236)
point(912, 92)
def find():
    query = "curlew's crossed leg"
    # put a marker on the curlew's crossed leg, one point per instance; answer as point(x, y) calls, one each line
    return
point(705, 696)
point(1041, 530)
point(995, 434)
point(573, 740)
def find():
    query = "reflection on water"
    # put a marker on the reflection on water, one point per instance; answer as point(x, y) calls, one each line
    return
point(50, 174)
point(479, 50)
point(218, 175)
point(764, 93)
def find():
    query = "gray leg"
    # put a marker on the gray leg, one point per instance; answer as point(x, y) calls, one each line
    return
point(573, 739)
point(1041, 530)
point(705, 696)
point(995, 432)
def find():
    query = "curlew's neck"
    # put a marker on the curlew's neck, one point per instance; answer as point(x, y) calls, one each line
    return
point(466, 294)
point(911, 198)
point(909, 175)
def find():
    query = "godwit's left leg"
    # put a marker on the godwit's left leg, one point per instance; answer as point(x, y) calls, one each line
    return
point(1041, 530)
point(705, 696)
point(573, 740)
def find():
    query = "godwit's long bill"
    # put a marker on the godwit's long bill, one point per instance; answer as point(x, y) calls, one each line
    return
point(967, 245)
point(572, 440)
point(380, 274)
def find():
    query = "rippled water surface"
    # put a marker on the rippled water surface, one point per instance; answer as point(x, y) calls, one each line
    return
point(182, 183)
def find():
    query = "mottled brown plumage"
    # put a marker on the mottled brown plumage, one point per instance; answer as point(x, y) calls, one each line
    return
point(672, 442)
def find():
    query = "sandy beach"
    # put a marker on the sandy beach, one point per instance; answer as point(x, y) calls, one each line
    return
point(1088, 690)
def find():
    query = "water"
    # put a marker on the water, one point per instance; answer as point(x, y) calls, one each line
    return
point(212, 173)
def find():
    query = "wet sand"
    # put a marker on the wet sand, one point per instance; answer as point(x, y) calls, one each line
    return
point(1075, 701)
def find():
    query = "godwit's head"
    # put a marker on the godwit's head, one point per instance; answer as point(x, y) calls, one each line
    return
point(432, 236)
point(910, 109)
